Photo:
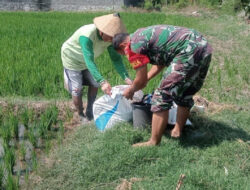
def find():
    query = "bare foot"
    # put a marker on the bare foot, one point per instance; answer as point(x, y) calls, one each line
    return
point(149, 143)
point(175, 133)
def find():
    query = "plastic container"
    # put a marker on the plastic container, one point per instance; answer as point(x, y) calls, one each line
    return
point(142, 116)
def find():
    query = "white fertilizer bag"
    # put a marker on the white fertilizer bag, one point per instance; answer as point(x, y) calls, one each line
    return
point(110, 110)
point(172, 116)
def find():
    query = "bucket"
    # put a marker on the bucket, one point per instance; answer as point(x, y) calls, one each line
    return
point(142, 116)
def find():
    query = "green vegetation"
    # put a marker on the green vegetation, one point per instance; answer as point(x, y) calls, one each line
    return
point(228, 6)
point(93, 160)
point(23, 131)
point(31, 68)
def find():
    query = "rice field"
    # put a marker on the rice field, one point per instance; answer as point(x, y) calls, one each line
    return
point(31, 69)
point(24, 132)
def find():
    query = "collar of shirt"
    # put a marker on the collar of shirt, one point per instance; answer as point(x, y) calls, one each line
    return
point(135, 59)
point(98, 35)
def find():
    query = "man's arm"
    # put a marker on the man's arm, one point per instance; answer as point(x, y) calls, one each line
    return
point(88, 55)
point(140, 82)
point(118, 64)
point(155, 69)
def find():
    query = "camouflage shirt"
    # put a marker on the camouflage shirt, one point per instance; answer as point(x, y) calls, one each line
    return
point(162, 44)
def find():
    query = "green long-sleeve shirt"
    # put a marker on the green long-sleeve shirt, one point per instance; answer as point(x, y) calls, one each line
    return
point(81, 49)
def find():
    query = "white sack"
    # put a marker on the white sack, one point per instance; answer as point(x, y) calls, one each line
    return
point(110, 110)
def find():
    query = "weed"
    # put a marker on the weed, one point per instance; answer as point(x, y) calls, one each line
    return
point(9, 159)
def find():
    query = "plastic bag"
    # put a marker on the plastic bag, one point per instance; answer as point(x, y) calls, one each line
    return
point(110, 110)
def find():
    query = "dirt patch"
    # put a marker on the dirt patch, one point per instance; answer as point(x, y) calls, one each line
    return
point(245, 33)
point(127, 184)
point(212, 107)
point(195, 11)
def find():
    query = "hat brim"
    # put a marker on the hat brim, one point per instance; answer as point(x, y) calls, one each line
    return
point(110, 25)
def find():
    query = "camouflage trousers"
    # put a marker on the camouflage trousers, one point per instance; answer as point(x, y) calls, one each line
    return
point(180, 82)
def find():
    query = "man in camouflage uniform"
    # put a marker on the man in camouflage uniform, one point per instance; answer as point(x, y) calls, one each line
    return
point(187, 55)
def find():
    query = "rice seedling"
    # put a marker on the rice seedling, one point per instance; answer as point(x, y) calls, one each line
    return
point(1, 175)
point(25, 116)
point(13, 124)
point(34, 160)
point(31, 136)
point(9, 159)
point(22, 151)
point(12, 183)
point(5, 132)
point(37, 126)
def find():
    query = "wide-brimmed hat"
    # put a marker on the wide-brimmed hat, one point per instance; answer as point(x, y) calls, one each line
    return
point(110, 24)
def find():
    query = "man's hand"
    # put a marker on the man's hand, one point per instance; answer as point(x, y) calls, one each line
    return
point(106, 87)
point(128, 81)
point(128, 93)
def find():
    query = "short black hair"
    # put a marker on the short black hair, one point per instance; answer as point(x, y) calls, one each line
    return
point(118, 39)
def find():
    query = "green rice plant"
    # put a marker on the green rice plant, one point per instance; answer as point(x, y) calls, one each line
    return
point(26, 116)
point(42, 73)
point(49, 117)
point(26, 176)
point(42, 128)
point(34, 160)
point(9, 158)
point(5, 132)
point(31, 136)
point(1, 175)
point(12, 183)
point(1, 115)
point(13, 124)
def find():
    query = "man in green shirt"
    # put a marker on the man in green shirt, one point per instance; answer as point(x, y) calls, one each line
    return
point(78, 54)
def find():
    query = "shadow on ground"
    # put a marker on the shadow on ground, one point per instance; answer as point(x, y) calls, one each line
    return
point(206, 132)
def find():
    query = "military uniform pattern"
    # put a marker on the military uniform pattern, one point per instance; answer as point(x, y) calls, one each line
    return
point(187, 55)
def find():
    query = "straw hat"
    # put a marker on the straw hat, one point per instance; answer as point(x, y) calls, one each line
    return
point(110, 24)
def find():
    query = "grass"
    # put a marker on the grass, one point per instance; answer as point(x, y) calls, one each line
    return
point(93, 160)
point(31, 69)
point(36, 54)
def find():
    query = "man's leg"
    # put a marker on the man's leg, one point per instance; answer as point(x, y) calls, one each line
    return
point(89, 81)
point(182, 116)
point(77, 100)
point(159, 123)
point(199, 72)
point(92, 92)
point(73, 84)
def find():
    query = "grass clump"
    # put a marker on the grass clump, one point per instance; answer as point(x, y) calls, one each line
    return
point(103, 160)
